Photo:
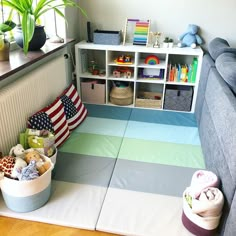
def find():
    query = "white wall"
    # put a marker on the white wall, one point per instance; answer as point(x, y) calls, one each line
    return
point(216, 18)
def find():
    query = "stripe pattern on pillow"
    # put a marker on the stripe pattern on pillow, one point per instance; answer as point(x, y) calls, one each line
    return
point(75, 110)
point(52, 118)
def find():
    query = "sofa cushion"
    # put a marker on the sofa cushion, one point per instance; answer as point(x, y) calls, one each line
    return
point(226, 66)
point(218, 46)
point(208, 64)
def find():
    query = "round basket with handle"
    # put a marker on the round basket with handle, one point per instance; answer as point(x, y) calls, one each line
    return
point(122, 96)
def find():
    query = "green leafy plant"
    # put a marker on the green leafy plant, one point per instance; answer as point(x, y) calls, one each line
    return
point(30, 12)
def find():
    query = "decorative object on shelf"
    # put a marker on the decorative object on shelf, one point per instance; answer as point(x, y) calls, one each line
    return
point(190, 38)
point(166, 42)
point(157, 36)
point(107, 37)
point(152, 60)
point(170, 43)
point(124, 60)
point(152, 73)
point(31, 10)
point(141, 31)
point(123, 72)
point(121, 94)
point(5, 26)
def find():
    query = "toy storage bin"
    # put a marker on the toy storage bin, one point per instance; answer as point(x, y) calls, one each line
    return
point(148, 99)
point(27, 195)
point(178, 97)
point(93, 91)
point(122, 96)
point(107, 37)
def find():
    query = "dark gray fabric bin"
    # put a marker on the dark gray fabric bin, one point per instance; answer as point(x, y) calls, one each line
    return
point(178, 97)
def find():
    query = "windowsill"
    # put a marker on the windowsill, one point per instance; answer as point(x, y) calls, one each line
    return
point(18, 60)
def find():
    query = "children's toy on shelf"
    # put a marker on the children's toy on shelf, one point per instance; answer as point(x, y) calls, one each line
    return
point(124, 60)
point(152, 60)
point(123, 72)
point(190, 38)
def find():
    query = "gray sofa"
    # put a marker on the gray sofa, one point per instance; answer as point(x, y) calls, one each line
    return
point(216, 116)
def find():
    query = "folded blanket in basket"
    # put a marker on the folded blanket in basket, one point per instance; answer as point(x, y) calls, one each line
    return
point(202, 179)
point(201, 216)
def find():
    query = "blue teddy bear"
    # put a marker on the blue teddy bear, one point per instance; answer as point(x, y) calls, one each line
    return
point(190, 38)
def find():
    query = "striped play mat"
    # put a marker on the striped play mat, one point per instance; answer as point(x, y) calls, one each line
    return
point(123, 170)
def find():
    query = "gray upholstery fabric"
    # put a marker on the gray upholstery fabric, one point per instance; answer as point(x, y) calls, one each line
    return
point(207, 63)
point(226, 66)
point(218, 46)
point(230, 227)
point(217, 132)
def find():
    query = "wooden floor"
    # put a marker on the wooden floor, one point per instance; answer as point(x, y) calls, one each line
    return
point(15, 227)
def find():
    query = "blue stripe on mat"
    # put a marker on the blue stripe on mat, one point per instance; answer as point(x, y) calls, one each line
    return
point(103, 126)
point(164, 117)
point(109, 112)
point(162, 132)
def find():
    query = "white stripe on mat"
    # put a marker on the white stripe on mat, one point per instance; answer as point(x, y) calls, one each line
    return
point(141, 214)
point(73, 205)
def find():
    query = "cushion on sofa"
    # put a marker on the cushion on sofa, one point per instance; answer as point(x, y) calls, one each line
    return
point(218, 46)
point(226, 66)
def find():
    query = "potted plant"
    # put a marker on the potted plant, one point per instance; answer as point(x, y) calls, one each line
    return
point(30, 12)
point(171, 43)
point(166, 42)
point(5, 26)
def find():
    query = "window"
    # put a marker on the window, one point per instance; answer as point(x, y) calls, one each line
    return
point(52, 26)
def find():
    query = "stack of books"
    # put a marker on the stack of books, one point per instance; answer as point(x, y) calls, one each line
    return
point(183, 73)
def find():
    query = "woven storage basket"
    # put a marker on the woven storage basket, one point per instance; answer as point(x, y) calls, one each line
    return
point(121, 95)
point(149, 99)
point(27, 195)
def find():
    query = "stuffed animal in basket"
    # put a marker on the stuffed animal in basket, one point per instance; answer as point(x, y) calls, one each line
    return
point(190, 38)
point(17, 151)
point(11, 166)
point(29, 172)
point(41, 164)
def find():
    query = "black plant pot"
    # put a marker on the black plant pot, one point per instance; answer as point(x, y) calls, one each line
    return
point(38, 40)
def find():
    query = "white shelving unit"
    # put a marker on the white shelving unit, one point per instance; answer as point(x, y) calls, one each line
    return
point(104, 56)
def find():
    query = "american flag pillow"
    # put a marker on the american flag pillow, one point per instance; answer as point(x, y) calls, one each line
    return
point(52, 118)
point(74, 108)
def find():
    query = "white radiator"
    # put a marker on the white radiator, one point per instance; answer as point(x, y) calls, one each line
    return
point(25, 96)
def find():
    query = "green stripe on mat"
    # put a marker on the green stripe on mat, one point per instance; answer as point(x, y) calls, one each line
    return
point(92, 144)
point(162, 153)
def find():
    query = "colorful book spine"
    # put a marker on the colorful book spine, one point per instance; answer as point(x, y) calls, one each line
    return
point(194, 70)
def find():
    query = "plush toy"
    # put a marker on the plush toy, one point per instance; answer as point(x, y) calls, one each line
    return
point(10, 166)
point(41, 164)
point(17, 151)
point(190, 38)
point(29, 172)
point(7, 164)
point(19, 165)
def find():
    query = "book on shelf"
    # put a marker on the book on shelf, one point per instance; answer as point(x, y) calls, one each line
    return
point(183, 72)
